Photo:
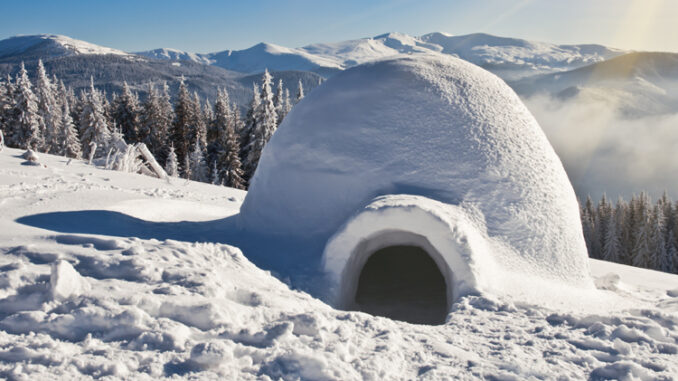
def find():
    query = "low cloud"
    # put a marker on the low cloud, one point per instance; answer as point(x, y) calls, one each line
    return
point(604, 151)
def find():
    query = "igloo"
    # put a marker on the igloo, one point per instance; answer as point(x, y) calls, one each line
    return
point(423, 178)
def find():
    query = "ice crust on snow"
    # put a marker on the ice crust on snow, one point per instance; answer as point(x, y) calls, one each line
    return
point(431, 126)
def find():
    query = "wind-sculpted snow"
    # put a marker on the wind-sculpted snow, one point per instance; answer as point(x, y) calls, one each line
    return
point(116, 306)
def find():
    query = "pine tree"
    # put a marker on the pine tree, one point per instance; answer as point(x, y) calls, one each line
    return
point(265, 123)
point(125, 112)
point(199, 123)
point(287, 104)
point(49, 109)
point(248, 127)
point(216, 180)
point(171, 166)
point(154, 123)
point(278, 101)
point(93, 123)
point(180, 133)
point(668, 261)
point(658, 238)
point(6, 105)
point(216, 132)
point(68, 142)
point(198, 167)
point(300, 92)
point(611, 245)
point(26, 129)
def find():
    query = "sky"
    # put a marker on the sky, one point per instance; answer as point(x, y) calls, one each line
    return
point(208, 26)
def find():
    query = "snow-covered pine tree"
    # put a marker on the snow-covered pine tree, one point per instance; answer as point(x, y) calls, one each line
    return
point(287, 104)
point(183, 110)
point(125, 113)
point(49, 109)
point(668, 262)
point(68, 142)
point(604, 214)
point(265, 123)
point(214, 173)
point(93, 123)
point(248, 126)
point(26, 128)
point(154, 124)
point(229, 159)
point(300, 92)
point(199, 124)
point(587, 224)
point(6, 105)
point(611, 244)
point(658, 238)
point(216, 131)
point(278, 101)
point(198, 167)
point(171, 165)
point(642, 248)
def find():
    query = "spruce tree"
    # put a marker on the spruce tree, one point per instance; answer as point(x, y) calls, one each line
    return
point(611, 245)
point(668, 261)
point(93, 124)
point(26, 129)
point(248, 126)
point(183, 110)
point(154, 123)
point(198, 167)
point(265, 123)
point(658, 238)
point(125, 112)
point(49, 109)
point(6, 106)
point(171, 165)
point(278, 101)
point(300, 92)
point(68, 142)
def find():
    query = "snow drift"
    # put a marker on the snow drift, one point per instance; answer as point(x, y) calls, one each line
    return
point(488, 195)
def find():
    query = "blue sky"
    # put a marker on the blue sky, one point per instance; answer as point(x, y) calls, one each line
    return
point(207, 26)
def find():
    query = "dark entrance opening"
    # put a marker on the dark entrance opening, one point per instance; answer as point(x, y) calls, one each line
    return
point(402, 283)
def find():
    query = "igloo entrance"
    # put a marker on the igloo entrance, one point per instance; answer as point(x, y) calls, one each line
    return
point(402, 283)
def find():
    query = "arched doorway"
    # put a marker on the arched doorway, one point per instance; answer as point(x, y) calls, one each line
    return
point(402, 282)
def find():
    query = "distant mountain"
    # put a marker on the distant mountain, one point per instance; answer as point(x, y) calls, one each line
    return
point(176, 55)
point(639, 82)
point(49, 46)
point(509, 58)
point(75, 62)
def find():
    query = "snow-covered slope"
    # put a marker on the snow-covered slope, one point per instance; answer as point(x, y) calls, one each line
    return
point(640, 83)
point(156, 294)
point(49, 45)
point(176, 55)
point(508, 57)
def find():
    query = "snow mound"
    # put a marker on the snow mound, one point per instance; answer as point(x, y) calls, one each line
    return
point(434, 127)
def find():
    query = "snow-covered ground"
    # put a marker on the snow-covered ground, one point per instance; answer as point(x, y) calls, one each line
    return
point(157, 295)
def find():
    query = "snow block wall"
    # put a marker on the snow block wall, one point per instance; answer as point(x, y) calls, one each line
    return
point(421, 150)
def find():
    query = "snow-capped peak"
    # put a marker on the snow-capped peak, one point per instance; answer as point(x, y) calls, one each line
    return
point(53, 45)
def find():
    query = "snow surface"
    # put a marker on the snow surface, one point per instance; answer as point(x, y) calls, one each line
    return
point(511, 58)
point(432, 126)
point(47, 45)
point(145, 300)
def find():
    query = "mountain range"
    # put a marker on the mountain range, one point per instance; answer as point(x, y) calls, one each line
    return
point(530, 67)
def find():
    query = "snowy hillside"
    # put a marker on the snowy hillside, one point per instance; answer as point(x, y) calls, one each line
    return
point(508, 57)
point(159, 292)
point(639, 83)
point(50, 45)
point(176, 55)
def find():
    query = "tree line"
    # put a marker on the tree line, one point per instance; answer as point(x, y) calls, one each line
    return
point(638, 233)
point(192, 138)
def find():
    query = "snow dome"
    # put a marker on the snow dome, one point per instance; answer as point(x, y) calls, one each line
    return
point(425, 178)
